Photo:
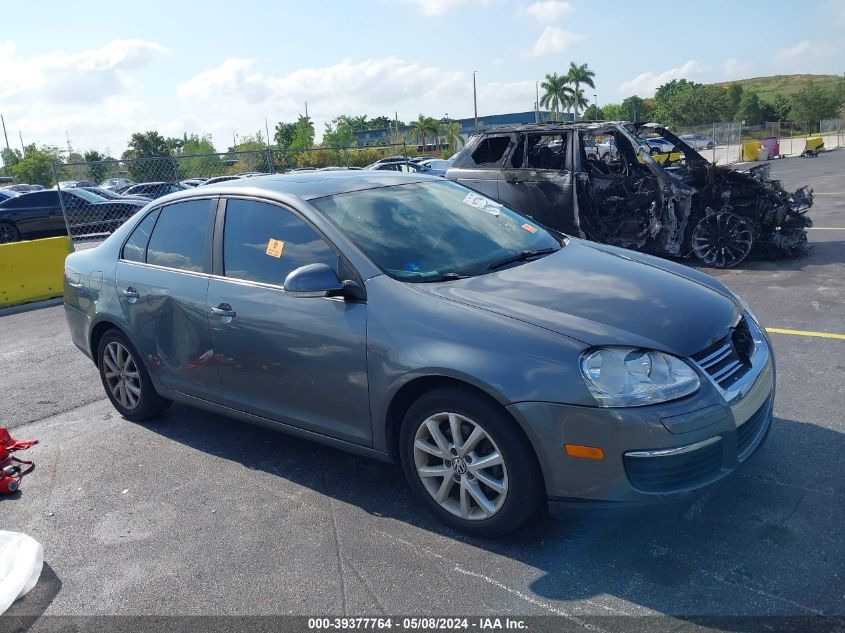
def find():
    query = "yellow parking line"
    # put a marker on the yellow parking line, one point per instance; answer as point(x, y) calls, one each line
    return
point(777, 330)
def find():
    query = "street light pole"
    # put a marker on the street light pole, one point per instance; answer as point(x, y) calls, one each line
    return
point(537, 102)
point(596, 103)
point(474, 100)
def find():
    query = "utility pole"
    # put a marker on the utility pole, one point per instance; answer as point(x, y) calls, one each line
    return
point(267, 129)
point(23, 149)
point(596, 103)
point(4, 131)
point(306, 109)
point(474, 100)
point(537, 102)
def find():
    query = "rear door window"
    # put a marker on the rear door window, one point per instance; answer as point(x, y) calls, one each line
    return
point(180, 238)
point(263, 242)
point(135, 249)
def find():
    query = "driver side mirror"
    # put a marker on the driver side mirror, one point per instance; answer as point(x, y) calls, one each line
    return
point(320, 280)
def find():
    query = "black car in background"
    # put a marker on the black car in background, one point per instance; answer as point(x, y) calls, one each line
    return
point(153, 189)
point(39, 214)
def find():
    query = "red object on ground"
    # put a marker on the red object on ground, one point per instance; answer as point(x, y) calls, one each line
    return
point(12, 469)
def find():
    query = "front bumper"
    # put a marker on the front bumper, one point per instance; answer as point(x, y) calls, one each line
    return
point(655, 453)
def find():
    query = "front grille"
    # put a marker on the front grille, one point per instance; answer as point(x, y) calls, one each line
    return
point(728, 359)
point(750, 430)
point(675, 472)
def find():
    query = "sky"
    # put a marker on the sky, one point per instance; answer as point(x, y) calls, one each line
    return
point(92, 72)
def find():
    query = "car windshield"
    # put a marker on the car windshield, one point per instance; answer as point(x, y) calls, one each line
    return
point(434, 231)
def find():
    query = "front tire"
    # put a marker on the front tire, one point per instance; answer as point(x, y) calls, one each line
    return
point(466, 458)
point(126, 380)
point(9, 233)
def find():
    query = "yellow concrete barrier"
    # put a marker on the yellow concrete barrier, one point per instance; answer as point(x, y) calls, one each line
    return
point(750, 149)
point(814, 143)
point(32, 271)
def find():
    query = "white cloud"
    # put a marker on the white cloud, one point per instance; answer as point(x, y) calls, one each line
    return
point(800, 51)
point(433, 8)
point(547, 11)
point(554, 40)
point(646, 83)
point(496, 61)
point(86, 76)
point(735, 69)
point(235, 91)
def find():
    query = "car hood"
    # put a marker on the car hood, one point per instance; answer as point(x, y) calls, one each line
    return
point(603, 295)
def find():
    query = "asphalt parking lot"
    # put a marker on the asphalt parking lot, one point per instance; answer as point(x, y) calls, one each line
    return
point(197, 514)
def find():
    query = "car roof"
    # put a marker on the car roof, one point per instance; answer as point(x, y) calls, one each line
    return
point(309, 185)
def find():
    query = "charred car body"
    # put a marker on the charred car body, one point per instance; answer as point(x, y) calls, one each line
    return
point(674, 204)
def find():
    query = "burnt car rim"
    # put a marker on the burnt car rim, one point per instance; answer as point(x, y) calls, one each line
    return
point(121, 373)
point(460, 466)
point(722, 239)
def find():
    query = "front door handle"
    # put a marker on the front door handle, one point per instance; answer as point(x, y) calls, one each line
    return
point(131, 294)
point(224, 311)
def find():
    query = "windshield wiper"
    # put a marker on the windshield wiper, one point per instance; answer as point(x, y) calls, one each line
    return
point(434, 276)
point(521, 257)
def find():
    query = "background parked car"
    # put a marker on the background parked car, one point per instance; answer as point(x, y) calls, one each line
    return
point(25, 188)
point(5, 194)
point(435, 166)
point(153, 190)
point(217, 179)
point(116, 183)
point(39, 214)
point(394, 164)
point(71, 184)
point(697, 141)
point(112, 195)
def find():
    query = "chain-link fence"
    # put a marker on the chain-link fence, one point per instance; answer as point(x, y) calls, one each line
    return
point(832, 132)
point(717, 142)
point(97, 197)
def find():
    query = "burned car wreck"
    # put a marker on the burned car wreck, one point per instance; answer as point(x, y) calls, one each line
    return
point(672, 203)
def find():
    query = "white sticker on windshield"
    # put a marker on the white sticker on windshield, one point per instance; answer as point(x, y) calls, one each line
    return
point(481, 202)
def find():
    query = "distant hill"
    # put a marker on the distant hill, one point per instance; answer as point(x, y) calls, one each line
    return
point(786, 85)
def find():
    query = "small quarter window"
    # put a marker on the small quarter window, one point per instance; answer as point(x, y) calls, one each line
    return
point(135, 249)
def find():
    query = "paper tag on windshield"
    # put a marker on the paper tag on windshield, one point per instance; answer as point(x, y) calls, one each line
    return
point(481, 202)
point(274, 248)
point(529, 228)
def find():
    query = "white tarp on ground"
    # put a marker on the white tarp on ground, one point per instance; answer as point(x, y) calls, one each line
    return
point(21, 560)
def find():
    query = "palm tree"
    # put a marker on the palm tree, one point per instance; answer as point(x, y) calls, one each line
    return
point(453, 136)
point(433, 126)
point(557, 93)
point(359, 122)
point(419, 129)
point(578, 75)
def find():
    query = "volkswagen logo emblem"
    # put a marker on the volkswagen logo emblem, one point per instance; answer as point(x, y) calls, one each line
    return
point(459, 466)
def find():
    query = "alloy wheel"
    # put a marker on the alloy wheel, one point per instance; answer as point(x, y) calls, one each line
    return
point(8, 233)
point(460, 466)
point(722, 239)
point(122, 376)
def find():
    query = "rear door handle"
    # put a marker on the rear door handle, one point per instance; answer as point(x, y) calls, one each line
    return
point(131, 294)
point(224, 311)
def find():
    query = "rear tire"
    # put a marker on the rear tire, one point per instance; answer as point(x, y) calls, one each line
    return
point(9, 233)
point(126, 380)
point(467, 459)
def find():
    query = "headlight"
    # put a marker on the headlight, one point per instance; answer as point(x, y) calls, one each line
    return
point(631, 377)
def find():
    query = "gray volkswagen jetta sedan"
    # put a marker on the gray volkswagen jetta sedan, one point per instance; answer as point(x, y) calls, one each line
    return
point(411, 319)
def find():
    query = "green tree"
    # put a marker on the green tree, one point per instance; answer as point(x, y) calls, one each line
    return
point(149, 145)
point(453, 136)
point(682, 102)
point(750, 109)
point(303, 134)
point(381, 123)
point(612, 112)
point(359, 123)
point(197, 157)
point(97, 170)
point(556, 94)
point(419, 129)
point(284, 134)
point(10, 158)
point(579, 75)
point(733, 98)
point(35, 167)
point(592, 113)
point(778, 109)
point(814, 103)
point(340, 133)
point(633, 109)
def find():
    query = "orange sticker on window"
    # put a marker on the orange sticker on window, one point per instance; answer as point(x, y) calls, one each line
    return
point(529, 228)
point(274, 248)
